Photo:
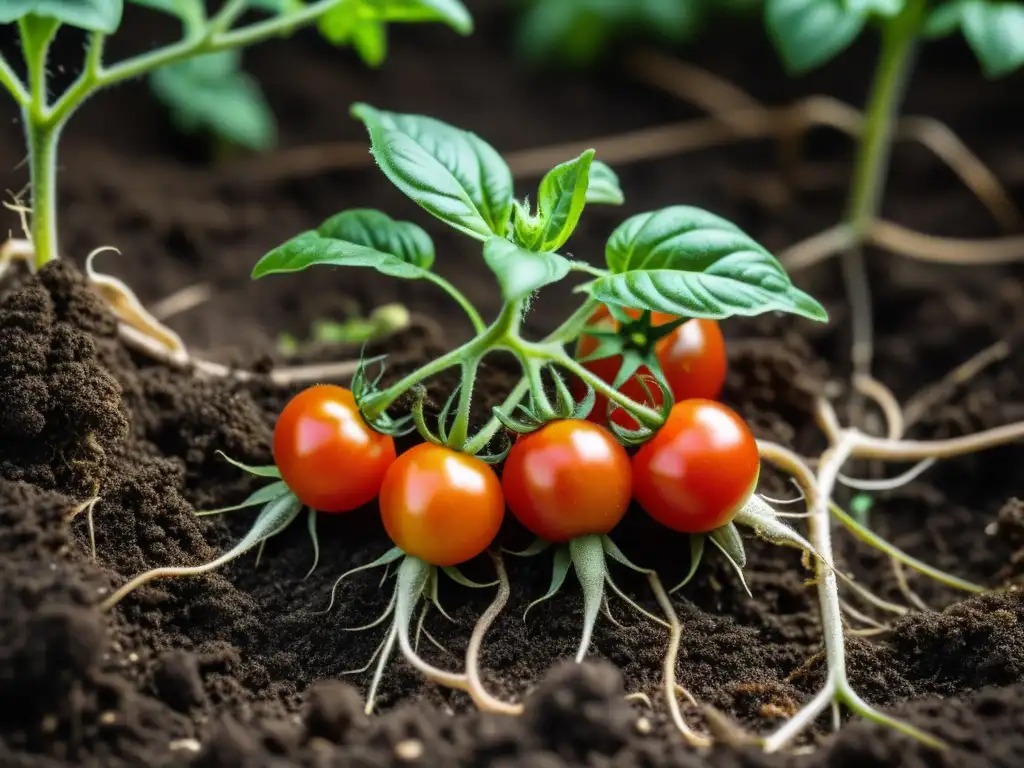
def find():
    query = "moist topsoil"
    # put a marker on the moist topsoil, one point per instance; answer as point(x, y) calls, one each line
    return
point(243, 667)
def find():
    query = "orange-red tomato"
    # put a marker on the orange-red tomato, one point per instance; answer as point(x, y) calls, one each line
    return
point(569, 478)
point(699, 469)
point(440, 505)
point(327, 454)
point(692, 358)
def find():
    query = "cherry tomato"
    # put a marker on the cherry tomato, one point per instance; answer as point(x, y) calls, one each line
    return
point(328, 455)
point(692, 358)
point(699, 469)
point(569, 478)
point(440, 505)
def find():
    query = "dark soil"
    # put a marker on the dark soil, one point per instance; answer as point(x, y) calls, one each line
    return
point(238, 668)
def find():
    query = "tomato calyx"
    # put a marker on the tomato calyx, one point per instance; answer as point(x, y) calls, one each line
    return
point(416, 589)
point(364, 389)
point(540, 411)
point(588, 556)
point(634, 340)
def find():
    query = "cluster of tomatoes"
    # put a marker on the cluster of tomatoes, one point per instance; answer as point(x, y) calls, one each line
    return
point(569, 478)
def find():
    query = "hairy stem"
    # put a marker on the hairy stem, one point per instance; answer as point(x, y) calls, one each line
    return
point(10, 80)
point(42, 157)
point(460, 428)
point(479, 326)
point(566, 332)
point(646, 416)
point(500, 331)
point(899, 37)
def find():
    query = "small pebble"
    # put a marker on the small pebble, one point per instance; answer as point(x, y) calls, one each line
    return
point(184, 745)
point(409, 750)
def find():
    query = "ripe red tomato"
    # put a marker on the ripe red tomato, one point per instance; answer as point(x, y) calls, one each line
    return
point(692, 358)
point(699, 469)
point(569, 478)
point(327, 454)
point(440, 505)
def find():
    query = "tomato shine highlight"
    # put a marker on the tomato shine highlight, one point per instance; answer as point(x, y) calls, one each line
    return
point(440, 505)
point(569, 478)
point(699, 469)
point(328, 456)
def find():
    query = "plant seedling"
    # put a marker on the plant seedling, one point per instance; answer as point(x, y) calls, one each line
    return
point(809, 33)
point(206, 90)
point(579, 31)
point(379, 324)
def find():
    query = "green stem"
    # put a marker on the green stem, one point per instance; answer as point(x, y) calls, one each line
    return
point(42, 155)
point(479, 326)
point(646, 416)
point(208, 41)
point(487, 433)
point(10, 80)
point(541, 404)
point(228, 15)
point(899, 38)
point(41, 137)
point(460, 428)
point(566, 332)
point(577, 321)
point(503, 330)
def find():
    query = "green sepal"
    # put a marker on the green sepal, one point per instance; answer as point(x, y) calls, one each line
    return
point(267, 470)
point(696, 555)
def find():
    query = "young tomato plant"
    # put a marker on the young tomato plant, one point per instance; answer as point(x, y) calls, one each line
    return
point(577, 32)
point(198, 74)
point(567, 479)
point(680, 261)
point(809, 33)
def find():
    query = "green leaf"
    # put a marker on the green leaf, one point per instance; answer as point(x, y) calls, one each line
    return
point(453, 174)
point(560, 200)
point(93, 15)
point(688, 262)
point(212, 93)
point(943, 20)
point(12, 10)
point(377, 230)
point(881, 7)
point(807, 33)
point(370, 40)
point(355, 238)
point(310, 249)
point(995, 32)
point(338, 24)
point(451, 12)
point(521, 272)
point(603, 186)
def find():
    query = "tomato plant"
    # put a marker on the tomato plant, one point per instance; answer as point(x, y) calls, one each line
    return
point(692, 357)
point(700, 468)
point(440, 505)
point(198, 76)
point(566, 478)
point(326, 453)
